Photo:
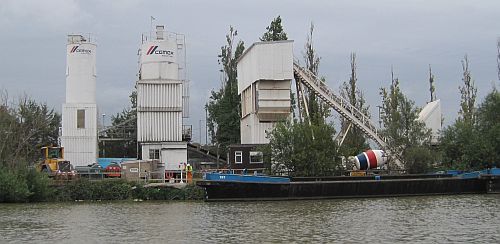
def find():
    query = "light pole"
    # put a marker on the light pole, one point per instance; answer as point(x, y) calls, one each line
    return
point(206, 126)
point(200, 132)
point(103, 142)
point(103, 115)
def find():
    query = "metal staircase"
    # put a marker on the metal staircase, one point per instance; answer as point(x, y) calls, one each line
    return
point(343, 107)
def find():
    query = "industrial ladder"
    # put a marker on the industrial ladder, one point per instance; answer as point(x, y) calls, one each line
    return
point(343, 107)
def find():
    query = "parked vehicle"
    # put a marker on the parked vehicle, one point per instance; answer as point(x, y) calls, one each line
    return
point(113, 170)
point(52, 162)
point(91, 171)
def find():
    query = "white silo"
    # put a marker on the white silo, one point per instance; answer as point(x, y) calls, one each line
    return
point(162, 99)
point(79, 113)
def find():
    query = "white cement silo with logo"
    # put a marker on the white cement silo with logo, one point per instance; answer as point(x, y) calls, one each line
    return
point(161, 95)
point(79, 112)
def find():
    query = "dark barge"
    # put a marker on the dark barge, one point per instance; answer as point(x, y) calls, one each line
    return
point(233, 187)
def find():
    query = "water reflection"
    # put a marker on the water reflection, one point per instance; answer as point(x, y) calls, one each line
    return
point(468, 218)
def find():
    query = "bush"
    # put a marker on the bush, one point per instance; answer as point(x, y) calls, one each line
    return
point(419, 159)
point(13, 187)
point(38, 185)
point(84, 189)
point(32, 186)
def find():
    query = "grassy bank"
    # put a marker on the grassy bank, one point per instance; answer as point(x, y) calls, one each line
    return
point(31, 186)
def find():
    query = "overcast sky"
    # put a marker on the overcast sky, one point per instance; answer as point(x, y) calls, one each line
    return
point(408, 35)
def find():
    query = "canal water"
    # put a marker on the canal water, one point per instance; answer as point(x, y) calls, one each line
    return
point(460, 218)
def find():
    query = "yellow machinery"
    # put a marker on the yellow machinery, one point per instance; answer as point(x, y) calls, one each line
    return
point(53, 163)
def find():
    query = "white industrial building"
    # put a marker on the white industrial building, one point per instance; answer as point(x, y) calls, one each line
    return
point(79, 112)
point(162, 98)
point(265, 73)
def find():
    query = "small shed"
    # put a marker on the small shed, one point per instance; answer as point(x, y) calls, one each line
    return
point(141, 169)
point(246, 156)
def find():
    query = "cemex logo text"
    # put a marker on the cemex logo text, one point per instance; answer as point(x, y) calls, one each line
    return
point(154, 50)
point(75, 49)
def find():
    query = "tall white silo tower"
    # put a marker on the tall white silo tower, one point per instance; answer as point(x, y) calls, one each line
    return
point(162, 99)
point(79, 113)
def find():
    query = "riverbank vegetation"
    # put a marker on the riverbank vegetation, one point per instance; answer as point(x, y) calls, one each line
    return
point(32, 186)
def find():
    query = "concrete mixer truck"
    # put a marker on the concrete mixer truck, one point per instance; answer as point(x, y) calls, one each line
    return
point(371, 159)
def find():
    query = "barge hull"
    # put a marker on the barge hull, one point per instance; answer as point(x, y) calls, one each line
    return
point(251, 191)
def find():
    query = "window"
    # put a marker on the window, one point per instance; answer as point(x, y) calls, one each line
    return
point(80, 118)
point(238, 157)
point(256, 157)
point(154, 153)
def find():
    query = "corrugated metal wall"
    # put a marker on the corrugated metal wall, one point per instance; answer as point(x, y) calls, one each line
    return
point(80, 151)
point(159, 108)
point(246, 102)
point(159, 126)
point(164, 96)
point(80, 144)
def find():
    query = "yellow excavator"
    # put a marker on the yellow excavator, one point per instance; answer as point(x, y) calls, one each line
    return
point(53, 163)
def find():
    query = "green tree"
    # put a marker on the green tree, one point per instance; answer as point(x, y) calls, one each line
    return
point(474, 146)
point(318, 110)
point(355, 140)
point(26, 127)
point(432, 88)
point(468, 95)
point(498, 58)
point(460, 146)
point(406, 135)
point(275, 31)
point(488, 118)
point(303, 149)
point(224, 104)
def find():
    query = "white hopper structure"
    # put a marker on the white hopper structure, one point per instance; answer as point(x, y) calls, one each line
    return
point(162, 99)
point(265, 73)
point(79, 112)
point(432, 117)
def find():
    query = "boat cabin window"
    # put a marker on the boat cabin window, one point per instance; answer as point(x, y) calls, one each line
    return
point(238, 157)
point(256, 157)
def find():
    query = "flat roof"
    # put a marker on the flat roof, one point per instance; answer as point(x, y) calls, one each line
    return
point(260, 43)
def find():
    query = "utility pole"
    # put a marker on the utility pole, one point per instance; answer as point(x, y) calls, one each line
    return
point(206, 126)
point(103, 142)
point(200, 131)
